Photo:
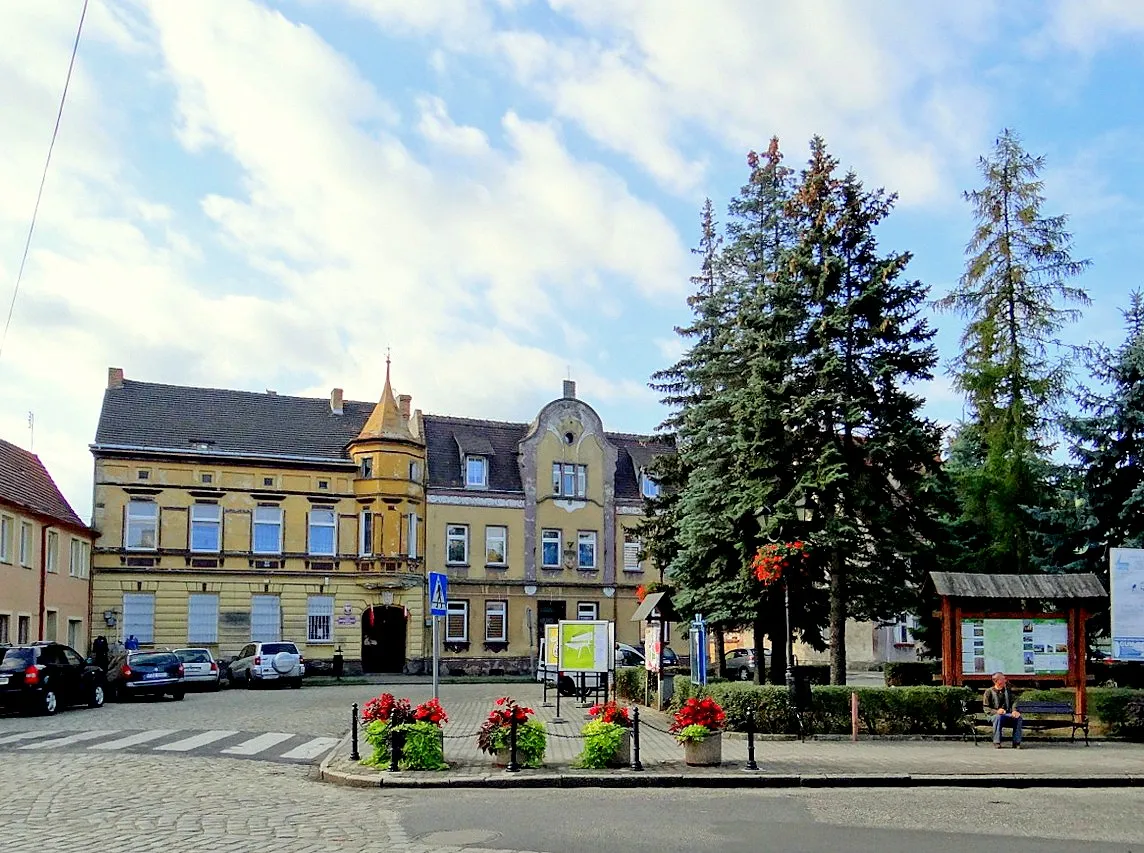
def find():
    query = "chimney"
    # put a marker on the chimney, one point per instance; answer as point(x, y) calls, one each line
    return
point(115, 377)
point(569, 389)
point(403, 403)
point(336, 401)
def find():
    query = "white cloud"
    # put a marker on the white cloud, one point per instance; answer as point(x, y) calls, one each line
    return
point(1087, 25)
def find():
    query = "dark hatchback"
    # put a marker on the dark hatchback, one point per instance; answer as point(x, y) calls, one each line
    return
point(145, 674)
point(41, 678)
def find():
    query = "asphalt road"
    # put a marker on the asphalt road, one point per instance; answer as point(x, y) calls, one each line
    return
point(77, 798)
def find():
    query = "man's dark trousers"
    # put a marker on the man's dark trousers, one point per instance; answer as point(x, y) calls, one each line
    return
point(1002, 720)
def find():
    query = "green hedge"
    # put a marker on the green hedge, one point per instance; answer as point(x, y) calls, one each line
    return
point(630, 681)
point(911, 673)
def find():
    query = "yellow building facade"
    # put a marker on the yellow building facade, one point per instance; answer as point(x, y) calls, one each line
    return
point(227, 517)
point(45, 557)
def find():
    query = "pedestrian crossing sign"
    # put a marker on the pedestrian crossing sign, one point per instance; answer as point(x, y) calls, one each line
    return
point(438, 593)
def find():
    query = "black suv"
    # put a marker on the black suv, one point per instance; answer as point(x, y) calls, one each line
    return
point(41, 678)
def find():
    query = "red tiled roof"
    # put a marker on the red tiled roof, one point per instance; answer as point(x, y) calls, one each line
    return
point(26, 484)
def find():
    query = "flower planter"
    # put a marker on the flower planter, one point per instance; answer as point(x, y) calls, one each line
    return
point(502, 757)
point(623, 757)
point(704, 753)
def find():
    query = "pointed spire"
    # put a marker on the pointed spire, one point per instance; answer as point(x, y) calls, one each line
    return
point(386, 420)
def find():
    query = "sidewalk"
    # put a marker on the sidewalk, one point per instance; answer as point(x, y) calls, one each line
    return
point(783, 762)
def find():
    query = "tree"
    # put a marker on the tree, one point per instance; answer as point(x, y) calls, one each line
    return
point(1016, 297)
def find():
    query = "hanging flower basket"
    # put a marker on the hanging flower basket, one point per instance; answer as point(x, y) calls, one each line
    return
point(772, 559)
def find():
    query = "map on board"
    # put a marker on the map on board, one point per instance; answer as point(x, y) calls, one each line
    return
point(1014, 646)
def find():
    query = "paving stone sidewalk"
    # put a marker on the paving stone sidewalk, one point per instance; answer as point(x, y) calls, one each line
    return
point(786, 761)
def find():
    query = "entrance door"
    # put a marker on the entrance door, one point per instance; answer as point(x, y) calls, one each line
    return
point(549, 613)
point(383, 639)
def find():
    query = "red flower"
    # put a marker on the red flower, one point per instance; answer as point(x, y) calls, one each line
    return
point(699, 712)
point(610, 712)
point(431, 712)
point(641, 592)
point(771, 559)
point(387, 709)
point(507, 710)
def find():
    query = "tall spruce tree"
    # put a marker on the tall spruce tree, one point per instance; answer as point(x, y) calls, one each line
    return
point(1016, 296)
point(865, 457)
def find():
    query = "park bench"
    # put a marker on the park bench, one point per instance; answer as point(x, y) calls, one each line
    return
point(1038, 716)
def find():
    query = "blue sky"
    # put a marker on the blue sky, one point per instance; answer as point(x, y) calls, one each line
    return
point(269, 194)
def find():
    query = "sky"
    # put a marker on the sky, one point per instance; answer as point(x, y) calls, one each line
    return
point(502, 193)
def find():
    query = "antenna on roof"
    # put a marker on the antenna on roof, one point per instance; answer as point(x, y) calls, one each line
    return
point(31, 431)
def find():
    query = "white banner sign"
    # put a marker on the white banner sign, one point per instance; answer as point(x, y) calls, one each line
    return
point(1126, 589)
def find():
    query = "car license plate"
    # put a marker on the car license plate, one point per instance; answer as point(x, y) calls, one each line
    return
point(151, 675)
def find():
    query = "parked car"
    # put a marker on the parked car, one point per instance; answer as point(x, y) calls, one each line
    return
point(667, 656)
point(44, 677)
point(266, 662)
point(199, 668)
point(740, 664)
point(145, 674)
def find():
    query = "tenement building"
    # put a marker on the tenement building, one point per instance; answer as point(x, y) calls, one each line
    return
point(45, 556)
point(229, 517)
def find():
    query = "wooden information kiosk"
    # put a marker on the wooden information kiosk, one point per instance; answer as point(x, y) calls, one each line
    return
point(1030, 627)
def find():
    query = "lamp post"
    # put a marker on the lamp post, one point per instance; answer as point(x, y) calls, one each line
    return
point(804, 513)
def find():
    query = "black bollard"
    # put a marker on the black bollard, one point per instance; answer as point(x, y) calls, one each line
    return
point(396, 741)
point(354, 755)
point(512, 766)
point(751, 765)
point(636, 765)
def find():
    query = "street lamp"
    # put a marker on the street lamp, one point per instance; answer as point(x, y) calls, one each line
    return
point(803, 513)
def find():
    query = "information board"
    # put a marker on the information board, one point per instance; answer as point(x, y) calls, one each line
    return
point(585, 646)
point(552, 646)
point(653, 641)
point(1014, 646)
point(1126, 589)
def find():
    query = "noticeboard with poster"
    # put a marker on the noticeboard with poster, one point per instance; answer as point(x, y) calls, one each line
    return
point(653, 643)
point(1126, 591)
point(551, 654)
point(585, 646)
point(1014, 646)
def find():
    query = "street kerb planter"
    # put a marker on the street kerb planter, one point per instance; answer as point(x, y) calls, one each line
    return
point(704, 753)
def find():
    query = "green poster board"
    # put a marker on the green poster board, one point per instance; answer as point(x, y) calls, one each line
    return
point(1014, 646)
point(584, 646)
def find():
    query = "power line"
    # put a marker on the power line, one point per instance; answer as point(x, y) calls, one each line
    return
point(43, 180)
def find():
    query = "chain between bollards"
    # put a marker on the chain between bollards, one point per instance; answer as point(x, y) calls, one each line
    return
point(751, 765)
point(636, 765)
point(512, 766)
point(354, 755)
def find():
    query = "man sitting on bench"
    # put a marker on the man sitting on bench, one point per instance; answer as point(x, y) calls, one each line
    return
point(1000, 703)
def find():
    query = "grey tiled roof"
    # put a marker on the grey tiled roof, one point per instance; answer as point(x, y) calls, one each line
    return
point(245, 423)
point(1062, 586)
point(26, 484)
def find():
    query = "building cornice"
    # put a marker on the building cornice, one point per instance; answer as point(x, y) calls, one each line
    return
point(477, 500)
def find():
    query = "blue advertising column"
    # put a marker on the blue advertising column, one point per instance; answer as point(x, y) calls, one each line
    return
point(698, 650)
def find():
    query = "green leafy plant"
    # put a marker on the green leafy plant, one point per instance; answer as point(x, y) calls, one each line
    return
point(601, 744)
point(422, 748)
point(693, 734)
point(377, 735)
point(531, 737)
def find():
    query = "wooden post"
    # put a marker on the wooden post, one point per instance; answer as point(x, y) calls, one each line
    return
point(947, 627)
point(1081, 643)
point(958, 670)
point(854, 717)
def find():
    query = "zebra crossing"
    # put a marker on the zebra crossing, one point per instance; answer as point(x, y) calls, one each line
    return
point(281, 747)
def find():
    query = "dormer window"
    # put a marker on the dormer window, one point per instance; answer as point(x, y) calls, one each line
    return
point(476, 472)
point(366, 467)
point(648, 487)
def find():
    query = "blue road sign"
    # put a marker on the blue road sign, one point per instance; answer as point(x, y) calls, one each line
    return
point(438, 593)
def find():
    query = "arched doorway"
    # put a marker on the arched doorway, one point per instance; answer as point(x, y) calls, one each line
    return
point(383, 639)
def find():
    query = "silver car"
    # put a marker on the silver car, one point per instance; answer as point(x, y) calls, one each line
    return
point(261, 663)
point(200, 670)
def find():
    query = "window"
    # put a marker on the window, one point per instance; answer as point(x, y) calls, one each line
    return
point(143, 474)
point(476, 472)
point(51, 625)
point(632, 554)
point(550, 549)
point(207, 479)
point(323, 484)
point(25, 544)
point(268, 482)
point(457, 622)
point(80, 558)
point(587, 610)
point(265, 619)
point(52, 559)
point(365, 544)
point(5, 539)
point(649, 487)
point(5, 629)
point(587, 549)
point(569, 480)
point(267, 530)
point(320, 619)
point(139, 616)
point(23, 629)
point(496, 621)
point(413, 520)
point(496, 545)
point(323, 523)
point(142, 526)
point(415, 471)
point(366, 467)
point(903, 630)
point(206, 528)
point(202, 618)
point(75, 632)
point(457, 544)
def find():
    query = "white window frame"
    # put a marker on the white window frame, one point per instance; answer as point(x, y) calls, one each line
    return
point(632, 554)
point(491, 537)
point(493, 609)
point(365, 531)
point(584, 537)
point(6, 525)
point(255, 523)
point(139, 616)
point(202, 618)
point(649, 488)
point(413, 521)
point(201, 517)
point(52, 557)
point(141, 521)
point(275, 635)
point(75, 556)
point(454, 608)
point(26, 545)
point(456, 533)
point(483, 462)
point(366, 469)
point(320, 620)
point(558, 539)
point(569, 480)
point(311, 525)
point(587, 611)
